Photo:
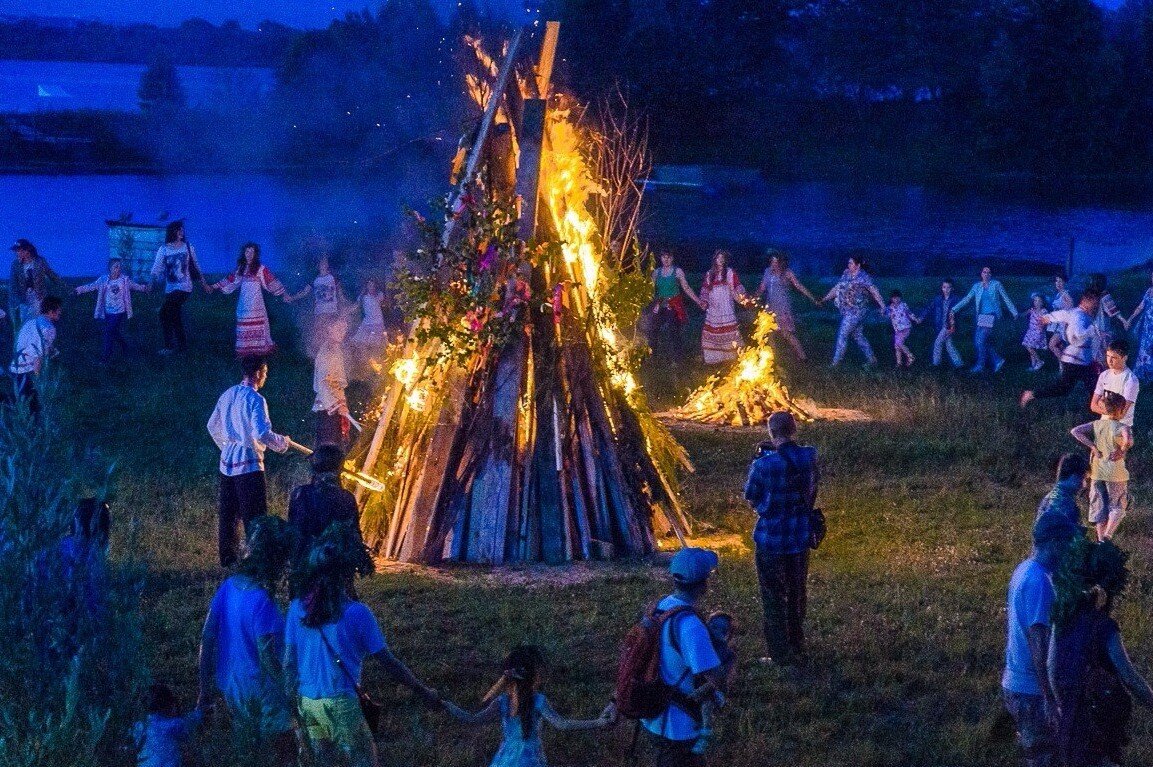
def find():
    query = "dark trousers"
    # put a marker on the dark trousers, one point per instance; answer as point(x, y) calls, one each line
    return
point(676, 753)
point(783, 580)
point(113, 337)
point(172, 320)
point(24, 385)
point(1067, 380)
point(332, 429)
point(667, 335)
point(242, 499)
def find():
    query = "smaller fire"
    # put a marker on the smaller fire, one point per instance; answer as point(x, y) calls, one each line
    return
point(749, 392)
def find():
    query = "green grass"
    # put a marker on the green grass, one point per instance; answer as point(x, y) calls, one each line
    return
point(929, 510)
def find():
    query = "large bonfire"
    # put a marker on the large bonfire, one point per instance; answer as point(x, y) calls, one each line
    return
point(749, 392)
point(512, 427)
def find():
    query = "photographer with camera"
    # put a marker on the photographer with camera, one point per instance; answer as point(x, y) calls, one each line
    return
point(782, 488)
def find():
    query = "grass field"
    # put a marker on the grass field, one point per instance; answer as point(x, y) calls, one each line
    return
point(929, 508)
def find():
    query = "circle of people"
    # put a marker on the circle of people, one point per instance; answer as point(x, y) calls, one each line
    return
point(297, 678)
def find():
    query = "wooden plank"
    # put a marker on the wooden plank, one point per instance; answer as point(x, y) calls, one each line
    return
point(531, 139)
point(547, 58)
point(482, 133)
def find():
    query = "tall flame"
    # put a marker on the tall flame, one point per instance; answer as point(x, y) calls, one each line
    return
point(749, 392)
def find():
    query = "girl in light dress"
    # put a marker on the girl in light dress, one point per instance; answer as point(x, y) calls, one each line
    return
point(721, 337)
point(1034, 340)
point(517, 703)
point(775, 284)
point(328, 303)
point(1062, 299)
point(252, 279)
point(1144, 365)
point(902, 318)
point(369, 340)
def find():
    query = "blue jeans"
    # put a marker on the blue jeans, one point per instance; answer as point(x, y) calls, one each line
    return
point(112, 335)
point(983, 341)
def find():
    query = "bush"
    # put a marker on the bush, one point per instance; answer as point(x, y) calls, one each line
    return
point(72, 672)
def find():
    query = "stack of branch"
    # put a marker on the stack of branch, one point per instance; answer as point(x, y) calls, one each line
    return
point(525, 454)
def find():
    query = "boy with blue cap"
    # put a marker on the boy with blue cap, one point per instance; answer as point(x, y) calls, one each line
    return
point(687, 658)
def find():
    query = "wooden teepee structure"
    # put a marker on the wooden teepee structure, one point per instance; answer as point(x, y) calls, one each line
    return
point(512, 428)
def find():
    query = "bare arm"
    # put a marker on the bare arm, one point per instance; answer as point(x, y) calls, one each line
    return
point(1129, 675)
point(571, 725)
point(1039, 653)
point(401, 673)
point(489, 713)
point(876, 294)
point(1084, 435)
point(685, 287)
point(268, 651)
point(799, 286)
point(207, 660)
point(1136, 311)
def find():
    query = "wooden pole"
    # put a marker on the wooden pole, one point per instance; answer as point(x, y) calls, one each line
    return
point(482, 133)
point(547, 57)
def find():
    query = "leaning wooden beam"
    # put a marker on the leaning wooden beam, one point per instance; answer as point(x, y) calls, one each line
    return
point(482, 133)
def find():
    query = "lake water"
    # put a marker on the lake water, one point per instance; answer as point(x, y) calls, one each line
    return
point(30, 86)
point(905, 229)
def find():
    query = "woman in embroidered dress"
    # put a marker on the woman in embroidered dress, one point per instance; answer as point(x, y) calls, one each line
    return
point(1144, 366)
point(721, 338)
point(775, 284)
point(851, 296)
point(253, 337)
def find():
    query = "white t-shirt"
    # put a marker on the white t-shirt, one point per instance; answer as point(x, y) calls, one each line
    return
point(1123, 383)
point(34, 342)
point(326, 295)
point(114, 292)
point(696, 656)
point(1081, 334)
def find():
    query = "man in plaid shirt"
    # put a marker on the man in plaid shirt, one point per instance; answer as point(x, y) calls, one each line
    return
point(782, 488)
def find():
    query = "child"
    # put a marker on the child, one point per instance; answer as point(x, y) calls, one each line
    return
point(902, 318)
point(1034, 340)
point(328, 300)
point(113, 305)
point(369, 339)
point(161, 735)
point(329, 382)
point(1108, 440)
point(517, 702)
point(720, 626)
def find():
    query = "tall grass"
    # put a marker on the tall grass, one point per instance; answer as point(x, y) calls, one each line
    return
point(929, 505)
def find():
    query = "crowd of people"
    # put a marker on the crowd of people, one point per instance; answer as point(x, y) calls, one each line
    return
point(1046, 326)
point(294, 677)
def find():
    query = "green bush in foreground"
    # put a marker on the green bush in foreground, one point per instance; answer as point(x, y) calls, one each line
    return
point(71, 670)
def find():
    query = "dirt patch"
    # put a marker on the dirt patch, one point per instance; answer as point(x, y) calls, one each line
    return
point(654, 567)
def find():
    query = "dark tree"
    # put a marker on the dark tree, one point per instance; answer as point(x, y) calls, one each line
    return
point(160, 86)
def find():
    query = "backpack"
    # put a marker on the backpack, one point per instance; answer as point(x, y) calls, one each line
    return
point(641, 691)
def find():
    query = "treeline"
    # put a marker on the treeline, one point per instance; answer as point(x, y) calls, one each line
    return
point(195, 42)
point(947, 91)
point(943, 89)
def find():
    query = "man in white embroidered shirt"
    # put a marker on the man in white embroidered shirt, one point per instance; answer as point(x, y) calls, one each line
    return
point(242, 430)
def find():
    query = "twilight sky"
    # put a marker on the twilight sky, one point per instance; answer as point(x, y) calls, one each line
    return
point(296, 13)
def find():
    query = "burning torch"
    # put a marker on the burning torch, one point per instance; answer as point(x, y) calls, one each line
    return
point(349, 472)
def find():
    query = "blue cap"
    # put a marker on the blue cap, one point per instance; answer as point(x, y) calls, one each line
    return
point(691, 566)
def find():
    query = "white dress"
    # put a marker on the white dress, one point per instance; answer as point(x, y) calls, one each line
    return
point(721, 337)
point(253, 336)
point(370, 333)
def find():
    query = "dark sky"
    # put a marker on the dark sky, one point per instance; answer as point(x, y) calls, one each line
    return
point(296, 13)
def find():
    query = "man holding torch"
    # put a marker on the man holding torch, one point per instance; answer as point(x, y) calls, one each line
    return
point(242, 430)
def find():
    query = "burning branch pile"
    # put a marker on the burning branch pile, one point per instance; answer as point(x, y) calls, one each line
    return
point(749, 392)
point(513, 427)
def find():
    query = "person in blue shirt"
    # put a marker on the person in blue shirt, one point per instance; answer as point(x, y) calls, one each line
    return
point(241, 640)
point(1072, 478)
point(940, 311)
point(990, 300)
point(782, 488)
point(328, 637)
point(688, 661)
point(1024, 682)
